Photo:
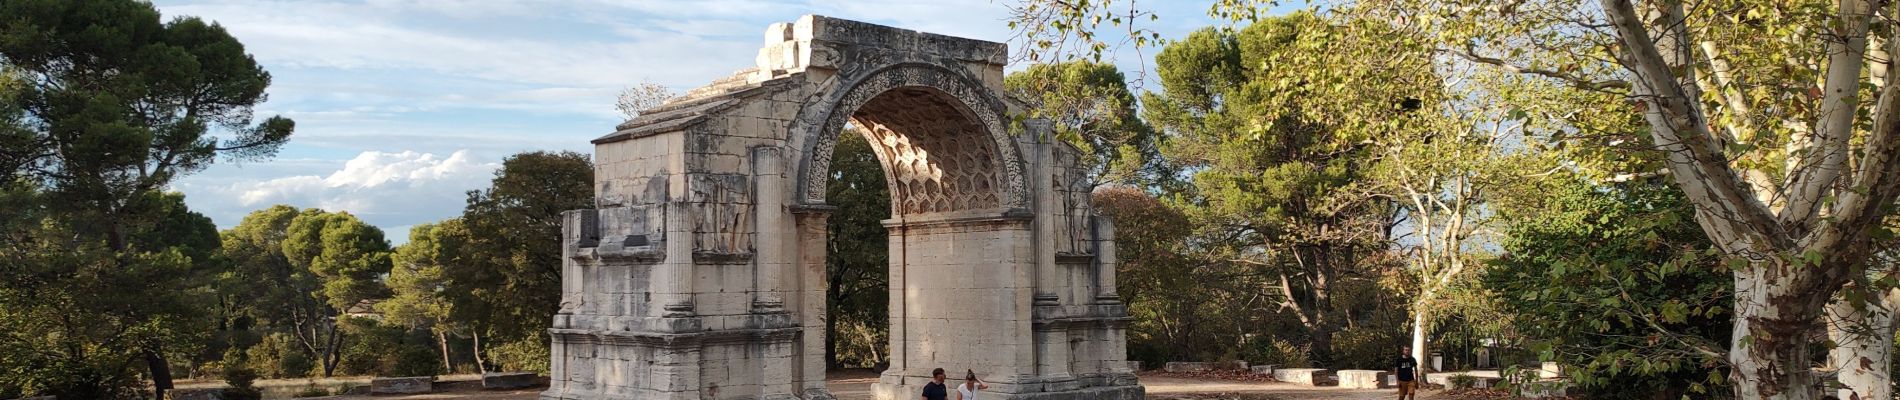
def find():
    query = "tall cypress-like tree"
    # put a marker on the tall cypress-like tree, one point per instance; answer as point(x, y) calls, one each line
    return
point(110, 105)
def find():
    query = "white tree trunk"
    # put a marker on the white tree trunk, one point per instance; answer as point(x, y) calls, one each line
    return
point(1418, 341)
point(1863, 349)
point(1768, 347)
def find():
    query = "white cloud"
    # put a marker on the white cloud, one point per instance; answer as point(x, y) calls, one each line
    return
point(386, 189)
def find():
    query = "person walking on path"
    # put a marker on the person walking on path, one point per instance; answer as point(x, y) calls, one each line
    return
point(1405, 368)
point(935, 389)
point(971, 386)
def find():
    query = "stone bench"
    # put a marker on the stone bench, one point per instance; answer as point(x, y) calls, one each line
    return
point(1482, 379)
point(509, 380)
point(403, 385)
point(1363, 379)
point(1303, 376)
point(1188, 367)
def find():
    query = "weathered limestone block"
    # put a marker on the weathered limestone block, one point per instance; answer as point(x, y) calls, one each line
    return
point(509, 380)
point(1550, 370)
point(1482, 379)
point(1303, 376)
point(402, 385)
point(1188, 366)
point(1362, 379)
point(1261, 369)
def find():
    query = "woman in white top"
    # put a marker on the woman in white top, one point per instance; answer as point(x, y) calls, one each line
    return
point(970, 386)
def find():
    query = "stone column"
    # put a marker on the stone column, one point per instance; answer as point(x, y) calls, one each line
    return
point(1041, 180)
point(809, 366)
point(770, 256)
point(1105, 260)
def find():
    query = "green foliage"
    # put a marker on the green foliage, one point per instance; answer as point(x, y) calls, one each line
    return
point(1620, 283)
point(1275, 139)
point(1280, 352)
point(277, 356)
point(1366, 348)
point(347, 255)
point(527, 354)
point(1161, 281)
point(857, 257)
point(508, 282)
point(1089, 106)
point(239, 375)
point(1462, 381)
point(76, 312)
point(102, 105)
point(372, 348)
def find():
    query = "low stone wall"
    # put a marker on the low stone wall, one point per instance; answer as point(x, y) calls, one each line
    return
point(1362, 379)
point(509, 380)
point(1303, 376)
point(403, 385)
point(1188, 367)
point(1481, 379)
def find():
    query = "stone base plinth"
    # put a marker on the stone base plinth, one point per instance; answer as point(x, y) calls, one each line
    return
point(1303, 376)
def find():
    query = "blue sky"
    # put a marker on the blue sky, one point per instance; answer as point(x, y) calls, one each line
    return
point(403, 105)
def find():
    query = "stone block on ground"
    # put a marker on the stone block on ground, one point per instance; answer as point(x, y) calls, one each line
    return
point(1480, 379)
point(1303, 376)
point(38, 398)
point(402, 385)
point(1188, 367)
point(509, 380)
point(1550, 370)
point(1262, 369)
point(1362, 379)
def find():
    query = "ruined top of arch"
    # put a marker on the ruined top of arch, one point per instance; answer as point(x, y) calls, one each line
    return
point(820, 42)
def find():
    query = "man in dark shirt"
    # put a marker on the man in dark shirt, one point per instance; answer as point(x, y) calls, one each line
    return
point(935, 389)
point(1406, 370)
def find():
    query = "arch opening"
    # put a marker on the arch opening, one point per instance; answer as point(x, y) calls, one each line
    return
point(936, 157)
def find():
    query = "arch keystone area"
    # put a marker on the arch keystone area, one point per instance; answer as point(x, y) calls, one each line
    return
point(700, 273)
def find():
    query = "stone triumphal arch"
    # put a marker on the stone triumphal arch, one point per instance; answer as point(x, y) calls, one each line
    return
point(701, 273)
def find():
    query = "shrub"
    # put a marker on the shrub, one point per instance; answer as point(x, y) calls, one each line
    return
point(372, 348)
point(277, 356)
point(1463, 381)
point(239, 376)
point(1364, 348)
point(1280, 352)
point(529, 355)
